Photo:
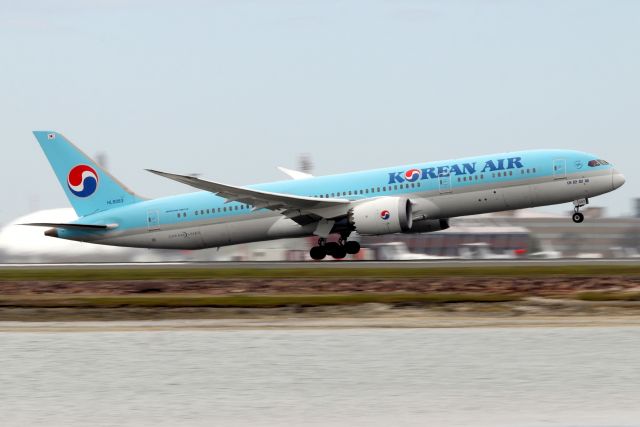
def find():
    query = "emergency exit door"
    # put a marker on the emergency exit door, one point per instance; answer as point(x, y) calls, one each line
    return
point(153, 220)
point(559, 169)
point(445, 184)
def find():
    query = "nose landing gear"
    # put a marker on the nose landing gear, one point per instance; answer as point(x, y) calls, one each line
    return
point(338, 250)
point(577, 216)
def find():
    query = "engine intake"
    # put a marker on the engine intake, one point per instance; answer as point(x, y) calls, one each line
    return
point(382, 216)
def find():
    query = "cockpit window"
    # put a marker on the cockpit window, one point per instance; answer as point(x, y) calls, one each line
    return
point(599, 162)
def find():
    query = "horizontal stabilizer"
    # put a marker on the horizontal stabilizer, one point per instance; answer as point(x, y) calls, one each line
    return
point(294, 174)
point(73, 226)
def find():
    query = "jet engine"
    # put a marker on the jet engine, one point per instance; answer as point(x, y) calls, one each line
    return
point(382, 216)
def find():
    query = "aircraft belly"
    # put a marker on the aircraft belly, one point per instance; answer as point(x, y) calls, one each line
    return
point(257, 229)
point(274, 227)
point(469, 203)
point(569, 189)
point(215, 235)
point(250, 231)
point(520, 197)
point(166, 239)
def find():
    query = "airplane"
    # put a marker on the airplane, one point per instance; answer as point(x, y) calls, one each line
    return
point(415, 198)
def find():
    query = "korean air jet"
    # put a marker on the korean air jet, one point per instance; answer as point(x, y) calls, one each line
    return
point(416, 198)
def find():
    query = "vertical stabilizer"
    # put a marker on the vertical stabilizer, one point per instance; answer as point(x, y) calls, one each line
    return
point(88, 187)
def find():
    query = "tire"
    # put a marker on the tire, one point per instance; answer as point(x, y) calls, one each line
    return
point(317, 253)
point(352, 247)
point(578, 217)
point(339, 252)
point(331, 247)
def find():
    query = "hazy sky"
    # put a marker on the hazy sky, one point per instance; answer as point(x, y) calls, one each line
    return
point(232, 89)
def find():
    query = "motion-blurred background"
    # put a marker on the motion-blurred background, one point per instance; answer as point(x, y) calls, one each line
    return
point(230, 90)
point(525, 234)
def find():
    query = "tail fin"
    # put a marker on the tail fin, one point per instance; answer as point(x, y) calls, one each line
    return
point(88, 187)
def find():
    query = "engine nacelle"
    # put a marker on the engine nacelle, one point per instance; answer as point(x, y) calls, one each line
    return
point(382, 216)
point(429, 225)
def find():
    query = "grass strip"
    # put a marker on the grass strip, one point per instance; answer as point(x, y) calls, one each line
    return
point(608, 296)
point(180, 273)
point(247, 301)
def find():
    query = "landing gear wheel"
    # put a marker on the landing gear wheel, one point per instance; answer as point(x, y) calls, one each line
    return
point(318, 252)
point(578, 217)
point(352, 247)
point(339, 252)
point(332, 247)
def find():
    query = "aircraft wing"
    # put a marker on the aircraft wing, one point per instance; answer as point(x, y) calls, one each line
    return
point(292, 205)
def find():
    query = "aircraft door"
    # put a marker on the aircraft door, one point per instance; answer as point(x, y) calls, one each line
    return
point(153, 220)
point(559, 169)
point(444, 183)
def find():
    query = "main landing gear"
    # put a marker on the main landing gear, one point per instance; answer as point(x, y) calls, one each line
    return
point(338, 249)
point(578, 216)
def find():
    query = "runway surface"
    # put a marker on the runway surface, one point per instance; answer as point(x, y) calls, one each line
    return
point(336, 264)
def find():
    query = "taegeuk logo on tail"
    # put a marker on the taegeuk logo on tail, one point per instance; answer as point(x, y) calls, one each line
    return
point(82, 181)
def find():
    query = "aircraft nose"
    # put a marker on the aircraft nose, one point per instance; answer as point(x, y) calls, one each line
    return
point(617, 179)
